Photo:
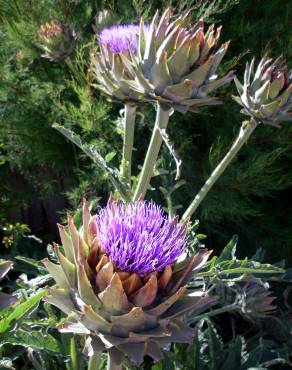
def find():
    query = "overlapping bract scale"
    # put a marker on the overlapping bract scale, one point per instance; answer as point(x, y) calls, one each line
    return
point(266, 93)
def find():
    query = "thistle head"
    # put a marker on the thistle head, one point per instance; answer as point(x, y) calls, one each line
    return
point(167, 61)
point(119, 283)
point(266, 93)
point(139, 237)
point(57, 40)
point(118, 39)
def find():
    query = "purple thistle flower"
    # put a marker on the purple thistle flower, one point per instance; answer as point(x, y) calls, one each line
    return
point(139, 237)
point(119, 38)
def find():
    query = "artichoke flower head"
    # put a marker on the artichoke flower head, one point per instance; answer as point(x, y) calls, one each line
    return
point(266, 94)
point(170, 63)
point(120, 284)
point(57, 40)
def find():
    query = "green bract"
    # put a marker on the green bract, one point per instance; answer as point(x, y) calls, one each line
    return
point(122, 312)
point(174, 65)
point(266, 93)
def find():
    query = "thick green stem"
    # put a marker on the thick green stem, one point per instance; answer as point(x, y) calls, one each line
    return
point(73, 354)
point(161, 122)
point(130, 114)
point(245, 131)
point(94, 360)
point(111, 365)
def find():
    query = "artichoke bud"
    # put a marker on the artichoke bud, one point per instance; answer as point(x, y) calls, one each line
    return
point(119, 283)
point(266, 94)
point(57, 40)
point(256, 301)
point(157, 58)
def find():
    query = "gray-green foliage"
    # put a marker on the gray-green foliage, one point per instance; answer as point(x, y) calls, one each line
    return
point(27, 333)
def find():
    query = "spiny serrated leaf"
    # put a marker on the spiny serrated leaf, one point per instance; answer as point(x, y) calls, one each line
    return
point(229, 251)
point(37, 264)
point(21, 310)
point(92, 153)
point(36, 340)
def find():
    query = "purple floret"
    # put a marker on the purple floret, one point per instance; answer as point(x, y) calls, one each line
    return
point(119, 38)
point(139, 237)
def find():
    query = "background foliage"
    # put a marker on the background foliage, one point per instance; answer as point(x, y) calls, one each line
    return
point(42, 174)
point(40, 168)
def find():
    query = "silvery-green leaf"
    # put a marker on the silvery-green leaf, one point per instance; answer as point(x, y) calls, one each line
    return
point(136, 320)
point(61, 299)
point(96, 157)
point(141, 39)
point(180, 91)
point(85, 289)
point(212, 85)
point(162, 26)
point(150, 48)
point(218, 56)
point(261, 95)
point(94, 321)
point(66, 243)
point(274, 89)
point(269, 109)
point(68, 268)
point(160, 76)
point(199, 75)
point(178, 62)
point(57, 273)
point(238, 86)
point(168, 44)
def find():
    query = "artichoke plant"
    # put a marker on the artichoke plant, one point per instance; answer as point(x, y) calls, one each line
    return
point(57, 40)
point(170, 63)
point(120, 283)
point(266, 94)
point(6, 300)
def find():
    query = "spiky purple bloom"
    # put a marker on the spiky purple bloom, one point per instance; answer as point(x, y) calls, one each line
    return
point(139, 237)
point(119, 38)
